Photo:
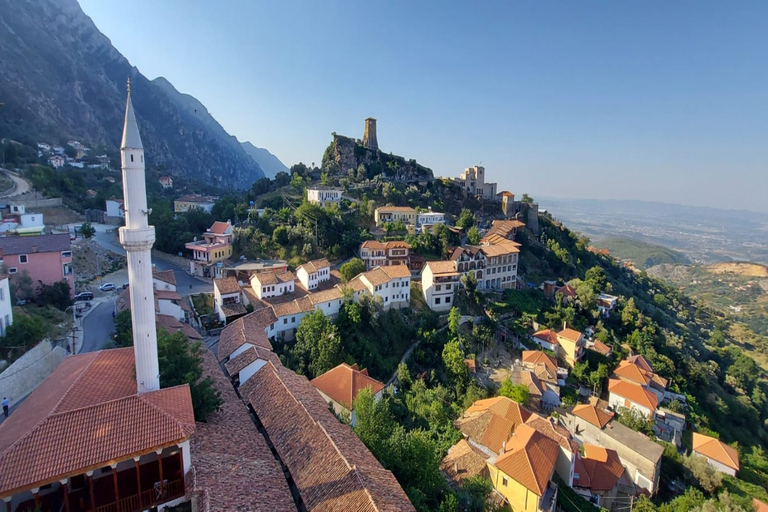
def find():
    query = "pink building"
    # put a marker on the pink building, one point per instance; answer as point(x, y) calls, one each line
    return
point(46, 258)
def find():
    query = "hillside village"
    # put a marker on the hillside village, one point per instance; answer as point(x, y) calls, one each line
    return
point(435, 343)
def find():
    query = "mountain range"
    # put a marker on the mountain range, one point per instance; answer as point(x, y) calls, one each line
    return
point(61, 79)
point(269, 163)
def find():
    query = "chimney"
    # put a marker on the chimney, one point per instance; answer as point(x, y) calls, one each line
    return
point(565, 325)
point(503, 448)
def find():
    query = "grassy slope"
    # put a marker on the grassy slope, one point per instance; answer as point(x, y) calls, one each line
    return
point(642, 254)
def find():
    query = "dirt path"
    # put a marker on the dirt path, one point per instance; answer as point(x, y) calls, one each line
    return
point(22, 185)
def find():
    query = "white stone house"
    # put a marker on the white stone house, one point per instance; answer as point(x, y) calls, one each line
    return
point(115, 208)
point(226, 298)
point(272, 284)
point(719, 455)
point(439, 280)
point(324, 196)
point(313, 273)
point(391, 285)
point(632, 396)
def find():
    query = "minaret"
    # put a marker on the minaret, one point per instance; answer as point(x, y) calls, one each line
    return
point(137, 237)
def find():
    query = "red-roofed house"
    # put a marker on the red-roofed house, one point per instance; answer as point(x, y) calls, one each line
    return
point(719, 455)
point(547, 339)
point(632, 396)
point(377, 254)
point(339, 387)
point(215, 248)
point(601, 476)
point(571, 346)
point(569, 294)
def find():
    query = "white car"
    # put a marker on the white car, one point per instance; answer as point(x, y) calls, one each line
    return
point(107, 287)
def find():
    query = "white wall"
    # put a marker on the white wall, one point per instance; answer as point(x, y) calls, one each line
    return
point(617, 401)
point(6, 307)
point(250, 370)
point(168, 307)
point(28, 371)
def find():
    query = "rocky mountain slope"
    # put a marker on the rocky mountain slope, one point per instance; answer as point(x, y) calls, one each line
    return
point(60, 78)
point(269, 163)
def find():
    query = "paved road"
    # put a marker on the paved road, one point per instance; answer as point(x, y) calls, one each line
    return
point(98, 327)
point(22, 185)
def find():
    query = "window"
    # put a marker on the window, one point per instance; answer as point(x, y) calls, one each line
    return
point(438, 287)
point(131, 158)
point(293, 319)
point(447, 300)
point(437, 301)
point(285, 321)
point(67, 269)
point(23, 258)
point(66, 254)
point(12, 270)
point(504, 481)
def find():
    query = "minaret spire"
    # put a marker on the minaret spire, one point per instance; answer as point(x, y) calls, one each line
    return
point(137, 237)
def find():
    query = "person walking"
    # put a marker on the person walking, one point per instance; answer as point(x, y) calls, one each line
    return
point(5, 406)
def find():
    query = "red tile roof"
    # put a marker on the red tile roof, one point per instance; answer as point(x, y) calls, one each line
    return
point(634, 393)
point(313, 266)
point(567, 291)
point(396, 271)
point(234, 467)
point(538, 357)
point(600, 469)
point(716, 450)
point(343, 383)
point(85, 415)
point(331, 467)
point(168, 276)
point(547, 335)
point(464, 461)
point(249, 329)
point(593, 415)
point(555, 432)
point(530, 459)
point(172, 325)
point(601, 348)
point(570, 334)
point(227, 285)
point(442, 267)
point(219, 227)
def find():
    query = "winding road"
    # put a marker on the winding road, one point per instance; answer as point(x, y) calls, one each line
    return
point(22, 185)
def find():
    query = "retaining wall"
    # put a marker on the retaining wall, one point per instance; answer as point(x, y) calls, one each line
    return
point(28, 371)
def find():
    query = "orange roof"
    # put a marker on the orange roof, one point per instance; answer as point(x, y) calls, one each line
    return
point(567, 291)
point(397, 244)
point(570, 334)
point(376, 276)
point(384, 209)
point(537, 357)
point(219, 228)
point(641, 361)
point(716, 450)
point(343, 383)
point(601, 348)
point(227, 285)
point(502, 406)
point(759, 506)
point(472, 365)
point(396, 271)
point(487, 429)
point(555, 432)
point(250, 329)
point(85, 415)
point(442, 267)
point(167, 276)
point(547, 335)
point(313, 266)
point(530, 459)
point(501, 249)
point(326, 295)
point(593, 415)
point(373, 245)
point(634, 393)
point(600, 470)
point(636, 372)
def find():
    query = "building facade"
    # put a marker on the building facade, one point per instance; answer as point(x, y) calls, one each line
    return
point(46, 258)
point(6, 307)
point(439, 280)
point(214, 248)
point(377, 254)
point(192, 201)
point(404, 214)
point(324, 196)
point(472, 181)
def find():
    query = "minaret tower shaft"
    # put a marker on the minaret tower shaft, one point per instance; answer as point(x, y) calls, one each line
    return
point(137, 237)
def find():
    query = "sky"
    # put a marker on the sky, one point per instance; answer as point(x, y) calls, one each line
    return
point(652, 100)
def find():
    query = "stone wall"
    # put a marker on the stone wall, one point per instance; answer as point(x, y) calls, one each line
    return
point(27, 372)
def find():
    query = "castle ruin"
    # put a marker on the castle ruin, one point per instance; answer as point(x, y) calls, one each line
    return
point(369, 136)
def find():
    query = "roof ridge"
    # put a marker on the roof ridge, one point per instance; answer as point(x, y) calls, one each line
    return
point(74, 382)
point(142, 397)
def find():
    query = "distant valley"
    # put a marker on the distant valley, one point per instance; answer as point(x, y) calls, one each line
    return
point(704, 235)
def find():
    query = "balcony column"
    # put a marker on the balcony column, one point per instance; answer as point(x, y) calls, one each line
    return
point(160, 466)
point(65, 488)
point(7, 501)
point(138, 478)
point(36, 493)
point(90, 489)
point(114, 482)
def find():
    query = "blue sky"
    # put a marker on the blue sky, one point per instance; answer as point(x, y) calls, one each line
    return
point(660, 100)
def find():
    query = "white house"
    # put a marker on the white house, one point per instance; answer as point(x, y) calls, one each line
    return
point(313, 273)
point(168, 302)
point(392, 285)
point(115, 208)
point(719, 455)
point(631, 396)
point(288, 317)
point(272, 284)
point(439, 280)
point(606, 303)
point(6, 307)
point(324, 196)
point(429, 218)
point(494, 266)
point(546, 339)
point(164, 280)
point(226, 298)
point(328, 301)
point(56, 161)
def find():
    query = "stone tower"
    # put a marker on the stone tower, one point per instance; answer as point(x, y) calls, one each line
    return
point(369, 137)
point(137, 237)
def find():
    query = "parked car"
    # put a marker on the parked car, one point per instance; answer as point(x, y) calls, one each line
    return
point(125, 285)
point(84, 296)
point(107, 287)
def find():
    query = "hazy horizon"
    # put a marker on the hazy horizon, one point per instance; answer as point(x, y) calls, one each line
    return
point(657, 101)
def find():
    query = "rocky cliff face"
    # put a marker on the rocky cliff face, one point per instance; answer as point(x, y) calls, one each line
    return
point(345, 153)
point(60, 78)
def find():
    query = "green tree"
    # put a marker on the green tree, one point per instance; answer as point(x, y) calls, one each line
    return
point(87, 230)
point(181, 362)
point(466, 219)
point(526, 199)
point(456, 366)
point(403, 376)
point(453, 323)
point(56, 294)
point(635, 420)
point(352, 268)
point(597, 277)
point(516, 392)
point(123, 335)
point(318, 344)
point(473, 236)
point(26, 331)
point(630, 314)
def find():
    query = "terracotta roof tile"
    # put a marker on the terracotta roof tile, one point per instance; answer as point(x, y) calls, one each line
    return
point(716, 450)
point(538, 357)
point(442, 267)
point(385, 209)
point(464, 461)
point(343, 383)
point(294, 307)
point(167, 276)
point(315, 265)
point(600, 470)
point(397, 271)
point(227, 285)
point(593, 415)
point(555, 432)
point(326, 295)
point(567, 291)
point(601, 348)
point(374, 245)
point(759, 506)
point(167, 295)
point(229, 455)
point(330, 466)
point(376, 276)
point(530, 459)
point(172, 325)
point(501, 249)
point(249, 329)
point(219, 227)
point(641, 361)
point(356, 284)
point(86, 414)
point(570, 334)
point(633, 392)
point(547, 335)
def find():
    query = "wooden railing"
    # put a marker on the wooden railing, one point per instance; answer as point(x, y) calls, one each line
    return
point(146, 499)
